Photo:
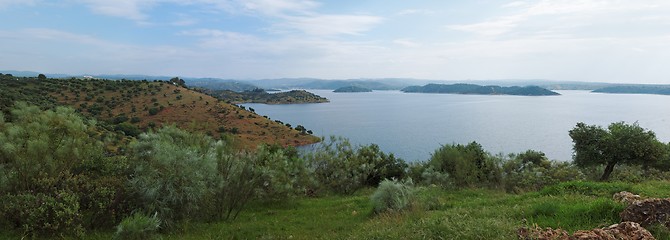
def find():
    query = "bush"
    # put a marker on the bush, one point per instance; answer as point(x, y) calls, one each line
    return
point(138, 227)
point(173, 172)
point(392, 195)
point(236, 184)
point(431, 177)
point(467, 165)
point(281, 173)
point(42, 214)
point(531, 171)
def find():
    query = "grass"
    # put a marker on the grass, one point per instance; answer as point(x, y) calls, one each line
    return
point(436, 214)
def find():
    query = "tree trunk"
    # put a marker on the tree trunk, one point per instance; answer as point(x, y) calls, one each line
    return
point(608, 170)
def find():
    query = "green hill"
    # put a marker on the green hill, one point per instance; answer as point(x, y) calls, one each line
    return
point(261, 96)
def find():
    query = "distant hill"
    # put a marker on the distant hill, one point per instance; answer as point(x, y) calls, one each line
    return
point(220, 84)
point(636, 89)
point(260, 96)
point(462, 88)
point(130, 106)
point(312, 83)
point(352, 89)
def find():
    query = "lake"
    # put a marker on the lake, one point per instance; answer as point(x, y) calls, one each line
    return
point(413, 125)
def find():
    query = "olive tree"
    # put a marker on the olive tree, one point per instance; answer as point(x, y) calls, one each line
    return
point(619, 143)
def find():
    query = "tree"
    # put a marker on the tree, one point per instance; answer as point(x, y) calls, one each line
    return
point(41, 77)
point(619, 143)
point(178, 81)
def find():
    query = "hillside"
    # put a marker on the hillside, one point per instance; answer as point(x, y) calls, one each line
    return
point(352, 89)
point(138, 105)
point(261, 96)
point(477, 89)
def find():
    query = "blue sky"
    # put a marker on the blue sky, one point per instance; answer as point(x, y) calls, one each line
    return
point(582, 40)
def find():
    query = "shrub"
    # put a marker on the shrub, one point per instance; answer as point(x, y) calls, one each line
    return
point(235, 184)
point(42, 214)
point(392, 195)
point(336, 168)
point(342, 168)
point(172, 172)
point(138, 227)
point(467, 165)
point(281, 173)
point(429, 177)
point(531, 171)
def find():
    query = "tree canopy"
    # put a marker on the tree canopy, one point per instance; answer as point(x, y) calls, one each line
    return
point(619, 143)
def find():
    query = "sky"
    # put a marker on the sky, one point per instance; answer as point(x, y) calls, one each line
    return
point(618, 41)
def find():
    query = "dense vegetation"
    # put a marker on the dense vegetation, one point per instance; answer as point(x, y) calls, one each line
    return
point(462, 88)
point(65, 175)
point(636, 89)
point(261, 96)
point(352, 89)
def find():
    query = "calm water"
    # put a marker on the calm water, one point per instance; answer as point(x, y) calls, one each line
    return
point(413, 125)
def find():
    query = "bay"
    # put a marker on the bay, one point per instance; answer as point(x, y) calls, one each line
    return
point(413, 125)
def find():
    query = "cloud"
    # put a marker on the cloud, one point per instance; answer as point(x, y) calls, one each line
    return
point(9, 3)
point(556, 14)
point(324, 25)
point(406, 43)
point(415, 12)
point(128, 9)
point(278, 7)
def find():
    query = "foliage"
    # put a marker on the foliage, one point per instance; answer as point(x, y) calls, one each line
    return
point(430, 176)
point(282, 173)
point(138, 227)
point(531, 170)
point(619, 143)
point(467, 165)
point(342, 168)
point(43, 214)
point(43, 159)
point(172, 172)
point(392, 195)
point(235, 184)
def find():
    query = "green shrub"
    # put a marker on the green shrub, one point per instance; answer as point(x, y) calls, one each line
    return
point(40, 214)
point(467, 165)
point(172, 173)
point(531, 171)
point(235, 184)
point(138, 227)
point(343, 168)
point(431, 177)
point(281, 173)
point(392, 195)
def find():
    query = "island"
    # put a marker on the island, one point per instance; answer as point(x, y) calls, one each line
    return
point(462, 88)
point(261, 96)
point(352, 89)
point(636, 89)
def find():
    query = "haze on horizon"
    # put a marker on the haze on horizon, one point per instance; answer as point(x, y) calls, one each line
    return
point(615, 41)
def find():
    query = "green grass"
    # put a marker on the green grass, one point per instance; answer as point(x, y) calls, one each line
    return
point(436, 214)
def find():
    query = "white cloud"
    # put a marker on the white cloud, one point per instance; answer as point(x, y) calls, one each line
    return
point(406, 43)
point(331, 24)
point(278, 7)
point(8, 3)
point(415, 12)
point(129, 9)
